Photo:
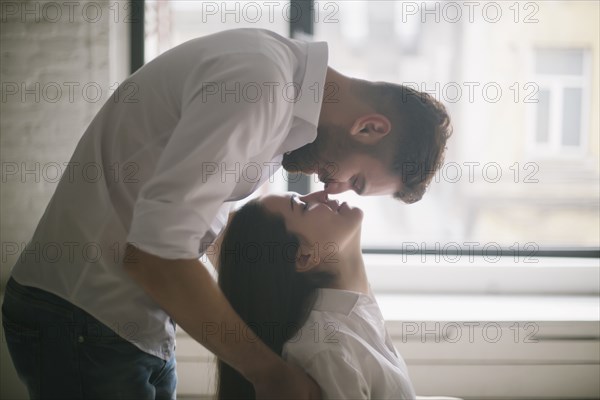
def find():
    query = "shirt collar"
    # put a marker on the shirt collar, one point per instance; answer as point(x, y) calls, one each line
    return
point(337, 300)
point(308, 105)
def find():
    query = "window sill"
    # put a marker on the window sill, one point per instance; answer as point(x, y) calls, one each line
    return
point(431, 307)
point(465, 274)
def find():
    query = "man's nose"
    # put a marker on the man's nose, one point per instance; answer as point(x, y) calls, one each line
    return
point(336, 187)
point(320, 196)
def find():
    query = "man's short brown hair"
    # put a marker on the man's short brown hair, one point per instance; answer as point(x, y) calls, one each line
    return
point(420, 128)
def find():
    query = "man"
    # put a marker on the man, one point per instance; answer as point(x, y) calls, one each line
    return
point(115, 257)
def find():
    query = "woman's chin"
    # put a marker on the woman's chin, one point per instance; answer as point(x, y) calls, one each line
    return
point(359, 212)
point(351, 213)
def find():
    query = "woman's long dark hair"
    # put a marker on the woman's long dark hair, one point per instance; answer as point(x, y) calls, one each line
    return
point(257, 274)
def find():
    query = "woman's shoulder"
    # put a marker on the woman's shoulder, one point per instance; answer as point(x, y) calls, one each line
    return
point(322, 331)
point(332, 353)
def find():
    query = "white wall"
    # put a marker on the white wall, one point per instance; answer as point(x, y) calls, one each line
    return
point(56, 74)
point(48, 48)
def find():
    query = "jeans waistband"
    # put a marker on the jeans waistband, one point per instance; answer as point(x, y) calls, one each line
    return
point(40, 298)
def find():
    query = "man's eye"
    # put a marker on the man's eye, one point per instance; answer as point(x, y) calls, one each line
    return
point(358, 188)
point(305, 206)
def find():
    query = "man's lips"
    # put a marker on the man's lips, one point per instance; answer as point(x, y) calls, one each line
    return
point(336, 205)
point(326, 180)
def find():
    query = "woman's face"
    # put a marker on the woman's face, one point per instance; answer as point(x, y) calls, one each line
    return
point(316, 218)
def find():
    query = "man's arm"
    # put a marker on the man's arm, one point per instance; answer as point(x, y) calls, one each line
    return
point(187, 292)
point(192, 178)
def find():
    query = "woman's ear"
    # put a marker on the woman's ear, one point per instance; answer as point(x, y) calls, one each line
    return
point(307, 258)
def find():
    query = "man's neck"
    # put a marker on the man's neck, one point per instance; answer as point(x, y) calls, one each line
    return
point(335, 95)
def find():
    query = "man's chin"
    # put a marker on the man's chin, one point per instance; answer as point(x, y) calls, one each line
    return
point(299, 164)
point(295, 169)
point(309, 171)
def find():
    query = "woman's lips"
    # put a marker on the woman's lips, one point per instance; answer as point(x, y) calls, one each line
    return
point(333, 205)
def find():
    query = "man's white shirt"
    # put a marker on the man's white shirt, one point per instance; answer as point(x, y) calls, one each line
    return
point(345, 347)
point(200, 126)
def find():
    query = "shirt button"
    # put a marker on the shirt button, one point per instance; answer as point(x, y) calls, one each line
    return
point(80, 339)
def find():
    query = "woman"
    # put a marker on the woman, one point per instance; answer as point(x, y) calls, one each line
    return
point(292, 268)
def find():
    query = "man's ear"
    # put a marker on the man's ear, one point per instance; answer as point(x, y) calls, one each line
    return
point(307, 258)
point(371, 128)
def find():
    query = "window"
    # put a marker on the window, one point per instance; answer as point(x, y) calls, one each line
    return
point(561, 114)
point(520, 178)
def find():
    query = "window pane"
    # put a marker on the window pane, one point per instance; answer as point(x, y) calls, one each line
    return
point(406, 29)
point(543, 117)
point(170, 23)
point(379, 22)
point(355, 30)
point(571, 126)
point(559, 61)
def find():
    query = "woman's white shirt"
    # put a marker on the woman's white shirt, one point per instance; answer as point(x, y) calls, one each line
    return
point(345, 348)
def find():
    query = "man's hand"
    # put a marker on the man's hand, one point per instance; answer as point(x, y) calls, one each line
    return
point(287, 382)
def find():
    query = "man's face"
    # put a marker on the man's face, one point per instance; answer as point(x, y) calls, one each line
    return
point(363, 173)
point(342, 164)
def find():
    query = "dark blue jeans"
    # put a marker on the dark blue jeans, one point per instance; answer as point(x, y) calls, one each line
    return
point(62, 352)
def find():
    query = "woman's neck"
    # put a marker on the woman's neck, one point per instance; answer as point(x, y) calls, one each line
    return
point(349, 268)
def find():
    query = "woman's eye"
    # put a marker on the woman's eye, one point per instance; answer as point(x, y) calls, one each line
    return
point(305, 206)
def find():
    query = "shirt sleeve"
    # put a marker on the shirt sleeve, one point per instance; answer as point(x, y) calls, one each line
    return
point(337, 375)
point(217, 132)
point(216, 227)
